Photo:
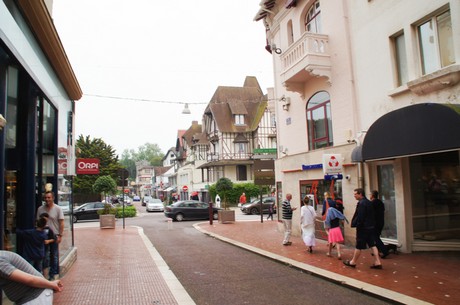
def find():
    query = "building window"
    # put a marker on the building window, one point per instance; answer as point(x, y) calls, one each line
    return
point(400, 59)
point(436, 43)
point(290, 33)
point(241, 173)
point(241, 148)
point(313, 19)
point(239, 119)
point(319, 122)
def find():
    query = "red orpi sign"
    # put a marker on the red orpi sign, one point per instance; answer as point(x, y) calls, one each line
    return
point(87, 166)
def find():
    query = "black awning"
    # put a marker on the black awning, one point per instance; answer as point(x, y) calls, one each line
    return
point(412, 130)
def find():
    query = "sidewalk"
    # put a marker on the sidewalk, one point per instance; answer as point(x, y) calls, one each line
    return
point(122, 267)
point(417, 278)
point(118, 267)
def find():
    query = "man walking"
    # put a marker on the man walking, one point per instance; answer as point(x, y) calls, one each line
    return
point(364, 222)
point(56, 223)
point(379, 222)
point(287, 219)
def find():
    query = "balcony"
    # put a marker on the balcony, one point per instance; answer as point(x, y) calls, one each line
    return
point(307, 58)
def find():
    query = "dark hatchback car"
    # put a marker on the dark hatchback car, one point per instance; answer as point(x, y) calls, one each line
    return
point(253, 207)
point(189, 209)
point(87, 211)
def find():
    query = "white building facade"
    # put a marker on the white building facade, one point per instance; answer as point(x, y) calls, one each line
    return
point(375, 84)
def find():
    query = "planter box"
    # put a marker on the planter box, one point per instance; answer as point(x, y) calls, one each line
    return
point(107, 221)
point(226, 216)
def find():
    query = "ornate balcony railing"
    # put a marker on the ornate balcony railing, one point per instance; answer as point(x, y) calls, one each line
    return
point(229, 156)
point(306, 58)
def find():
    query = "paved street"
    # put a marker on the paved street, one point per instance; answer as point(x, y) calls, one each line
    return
point(214, 272)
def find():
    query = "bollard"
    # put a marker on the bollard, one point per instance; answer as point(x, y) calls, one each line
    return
point(169, 223)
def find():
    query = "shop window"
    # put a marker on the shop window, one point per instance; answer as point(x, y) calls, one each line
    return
point(319, 121)
point(12, 107)
point(435, 190)
point(436, 43)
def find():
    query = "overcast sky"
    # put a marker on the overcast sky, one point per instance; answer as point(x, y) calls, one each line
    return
point(151, 50)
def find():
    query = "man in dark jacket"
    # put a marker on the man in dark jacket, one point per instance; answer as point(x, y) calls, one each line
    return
point(364, 222)
point(379, 222)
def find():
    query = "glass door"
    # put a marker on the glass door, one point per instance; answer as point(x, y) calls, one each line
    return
point(386, 189)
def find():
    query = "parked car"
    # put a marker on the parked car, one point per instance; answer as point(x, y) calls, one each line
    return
point(87, 211)
point(253, 207)
point(189, 209)
point(136, 198)
point(65, 207)
point(154, 205)
point(146, 199)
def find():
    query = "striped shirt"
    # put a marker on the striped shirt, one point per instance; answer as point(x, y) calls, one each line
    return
point(15, 291)
point(286, 208)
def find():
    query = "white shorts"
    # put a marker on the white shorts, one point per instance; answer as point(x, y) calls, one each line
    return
point(45, 298)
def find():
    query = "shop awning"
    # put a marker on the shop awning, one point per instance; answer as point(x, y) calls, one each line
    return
point(417, 129)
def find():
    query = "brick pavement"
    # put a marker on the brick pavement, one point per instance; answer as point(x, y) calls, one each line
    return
point(118, 266)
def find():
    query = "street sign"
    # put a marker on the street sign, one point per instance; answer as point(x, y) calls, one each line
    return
point(264, 172)
point(185, 188)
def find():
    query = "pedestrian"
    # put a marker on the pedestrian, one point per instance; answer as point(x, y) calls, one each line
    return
point(287, 210)
point(334, 232)
point(364, 222)
point(327, 203)
point(50, 235)
point(243, 199)
point(307, 223)
point(379, 222)
point(22, 283)
point(217, 201)
point(34, 244)
point(271, 210)
point(338, 203)
point(56, 223)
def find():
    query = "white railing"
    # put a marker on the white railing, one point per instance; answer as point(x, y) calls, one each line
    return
point(308, 44)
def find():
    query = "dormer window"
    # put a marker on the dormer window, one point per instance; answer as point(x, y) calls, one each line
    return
point(239, 119)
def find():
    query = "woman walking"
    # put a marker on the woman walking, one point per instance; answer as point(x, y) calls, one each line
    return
point(307, 223)
point(333, 219)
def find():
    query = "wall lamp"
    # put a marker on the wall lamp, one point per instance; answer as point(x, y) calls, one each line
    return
point(286, 102)
point(277, 50)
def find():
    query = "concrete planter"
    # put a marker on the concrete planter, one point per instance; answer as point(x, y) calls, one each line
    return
point(107, 221)
point(226, 216)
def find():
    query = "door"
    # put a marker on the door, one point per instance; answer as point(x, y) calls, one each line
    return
point(386, 188)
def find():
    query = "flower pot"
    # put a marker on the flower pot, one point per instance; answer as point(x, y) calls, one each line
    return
point(226, 216)
point(107, 221)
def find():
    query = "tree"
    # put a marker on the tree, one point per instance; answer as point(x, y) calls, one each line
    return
point(148, 152)
point(223, 186)
point(105, 184)
point(108, 162)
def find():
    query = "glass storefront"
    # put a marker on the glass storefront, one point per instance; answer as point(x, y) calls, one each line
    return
point(435, 188)
point(315, 189)
point(31, 152)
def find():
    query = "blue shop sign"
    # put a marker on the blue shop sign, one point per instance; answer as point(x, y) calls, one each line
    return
point(311, 166)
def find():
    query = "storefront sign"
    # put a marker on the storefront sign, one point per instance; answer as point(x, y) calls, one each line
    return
point(87, 166)
point(332, 164)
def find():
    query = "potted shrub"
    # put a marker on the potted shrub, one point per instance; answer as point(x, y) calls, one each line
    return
point(223, 186)
point(107, 216)
point(106, 184)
